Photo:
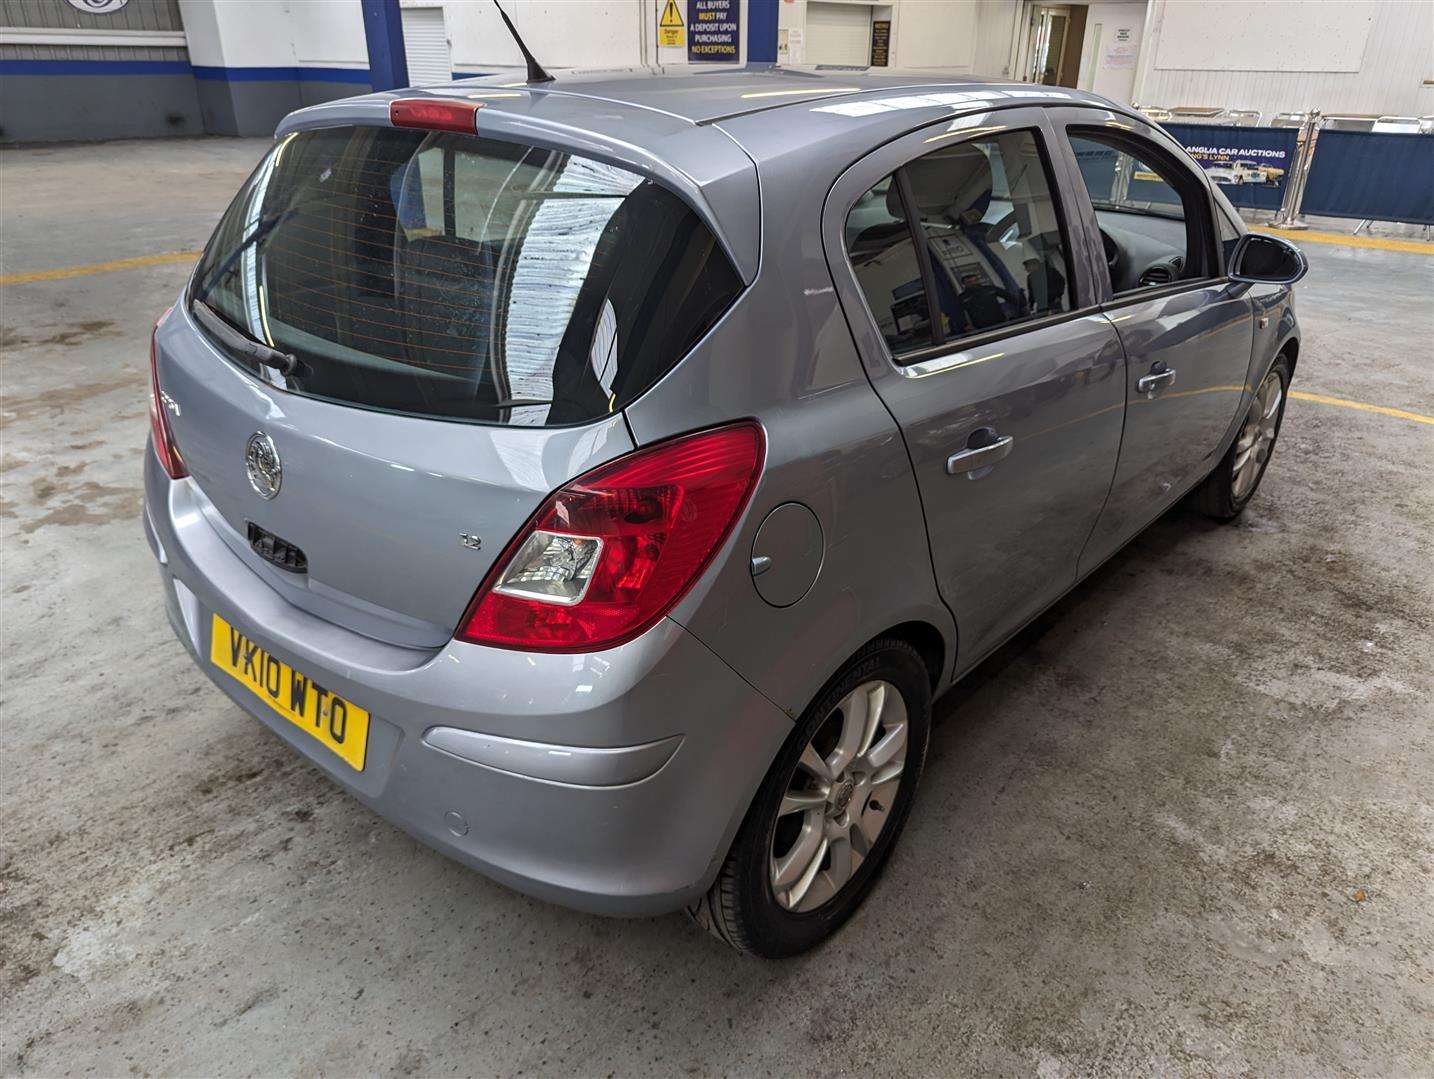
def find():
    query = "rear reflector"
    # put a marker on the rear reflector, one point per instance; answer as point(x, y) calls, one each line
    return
point(460, 116)
point(612, 552)
point(159, 402)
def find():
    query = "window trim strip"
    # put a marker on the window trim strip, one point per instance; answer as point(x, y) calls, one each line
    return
point(927, 361)
point(1175, 288)
point(919, 240)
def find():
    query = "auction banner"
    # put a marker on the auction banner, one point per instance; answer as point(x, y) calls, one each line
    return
point(714, 31)
point(1250, 164)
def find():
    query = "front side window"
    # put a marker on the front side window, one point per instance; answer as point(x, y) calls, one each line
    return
point(1153, 215)
point(969, 233)
point(452, 276)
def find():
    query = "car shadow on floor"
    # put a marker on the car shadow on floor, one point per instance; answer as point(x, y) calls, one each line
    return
point(1162, 537)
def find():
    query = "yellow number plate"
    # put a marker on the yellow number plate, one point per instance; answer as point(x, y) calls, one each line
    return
point(337, 723)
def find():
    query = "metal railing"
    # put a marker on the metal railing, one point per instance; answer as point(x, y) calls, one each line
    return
point(1288, 216)
point(1203, 114)
point(1333, 121)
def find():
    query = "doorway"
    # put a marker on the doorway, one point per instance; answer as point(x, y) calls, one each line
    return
point(1054, 39)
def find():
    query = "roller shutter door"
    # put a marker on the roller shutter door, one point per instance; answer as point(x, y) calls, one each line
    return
point(425, 45)
point(838, 34)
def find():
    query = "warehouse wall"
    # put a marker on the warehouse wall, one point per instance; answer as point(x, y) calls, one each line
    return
point(255, 63)
point(237, 66)
point(972, 36)
point(252, 71)
point(1365, 58)
point(69, 74)
point(560, 33)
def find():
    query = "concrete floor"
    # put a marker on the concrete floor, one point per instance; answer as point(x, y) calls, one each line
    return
point(1182, 824)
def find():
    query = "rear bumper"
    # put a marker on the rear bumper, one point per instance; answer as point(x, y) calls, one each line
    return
point(610, 782)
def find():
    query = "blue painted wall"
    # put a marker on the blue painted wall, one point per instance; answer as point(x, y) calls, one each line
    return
point(52, 100)
point(762, 31)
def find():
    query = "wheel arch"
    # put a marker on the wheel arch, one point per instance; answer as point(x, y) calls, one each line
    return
point(928, 641)
point(1290, 348)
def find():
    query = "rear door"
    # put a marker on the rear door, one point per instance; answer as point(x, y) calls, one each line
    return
point(1186, 330)
point(966, 291)
point(466, 318)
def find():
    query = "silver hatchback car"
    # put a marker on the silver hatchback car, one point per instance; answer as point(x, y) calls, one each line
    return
point(598, 478)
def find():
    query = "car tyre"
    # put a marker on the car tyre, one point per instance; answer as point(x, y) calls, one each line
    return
point(828, 781)
point(1228, 490)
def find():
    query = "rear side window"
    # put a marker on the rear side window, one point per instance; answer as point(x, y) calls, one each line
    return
point(961, 241)
point(883, 254)
point(453, 276)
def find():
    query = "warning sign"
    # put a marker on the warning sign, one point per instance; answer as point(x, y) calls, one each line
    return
point(670, 33)
point(716, 31)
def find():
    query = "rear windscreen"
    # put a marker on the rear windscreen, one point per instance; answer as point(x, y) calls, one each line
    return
point(454, 276)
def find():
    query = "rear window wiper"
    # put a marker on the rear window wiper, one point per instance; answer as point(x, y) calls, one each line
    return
point(262, 229)
point(283, 362)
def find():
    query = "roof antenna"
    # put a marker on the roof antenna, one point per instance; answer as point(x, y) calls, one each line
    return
point(535, 69)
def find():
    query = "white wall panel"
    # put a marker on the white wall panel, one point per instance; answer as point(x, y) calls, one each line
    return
point(935, 34)
point(1395, 61)
point(561, 33)
point(995, 30)
point(1265, 37)
point(1104, 68)
point(326, 34)
point(318, 33)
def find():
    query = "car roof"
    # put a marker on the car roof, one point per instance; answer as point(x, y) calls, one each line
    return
point(705, 96)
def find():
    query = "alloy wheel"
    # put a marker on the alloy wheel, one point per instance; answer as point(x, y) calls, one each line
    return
point(839, 797)
point(1257, 436)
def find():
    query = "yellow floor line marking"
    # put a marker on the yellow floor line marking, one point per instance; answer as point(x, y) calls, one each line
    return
point(1397, 413)
point(1377, 243)
point(98, 267)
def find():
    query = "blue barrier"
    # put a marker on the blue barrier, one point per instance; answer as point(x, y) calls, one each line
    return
point(1252, 165)
point(1375, 176)
point(1097, 168)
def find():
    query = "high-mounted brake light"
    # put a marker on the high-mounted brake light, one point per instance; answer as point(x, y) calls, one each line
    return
point(613, 551)
point(460, 116)
point(160, 433)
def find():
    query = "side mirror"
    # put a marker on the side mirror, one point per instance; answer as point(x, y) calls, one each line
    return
point(1266, 260)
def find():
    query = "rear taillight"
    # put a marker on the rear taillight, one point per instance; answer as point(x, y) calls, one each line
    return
point(612, 552)
point(162, 436)
point(460, 116)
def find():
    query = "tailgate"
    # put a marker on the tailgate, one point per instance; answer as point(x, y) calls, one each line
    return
point(377, 502)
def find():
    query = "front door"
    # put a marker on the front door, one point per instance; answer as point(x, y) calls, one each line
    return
point(1186, 330)
point(963, 287)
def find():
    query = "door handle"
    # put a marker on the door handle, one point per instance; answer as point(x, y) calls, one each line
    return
point(976, 461)
point(1159, 377)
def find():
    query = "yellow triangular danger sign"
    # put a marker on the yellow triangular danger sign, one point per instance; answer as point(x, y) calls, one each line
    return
point(671, 17)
